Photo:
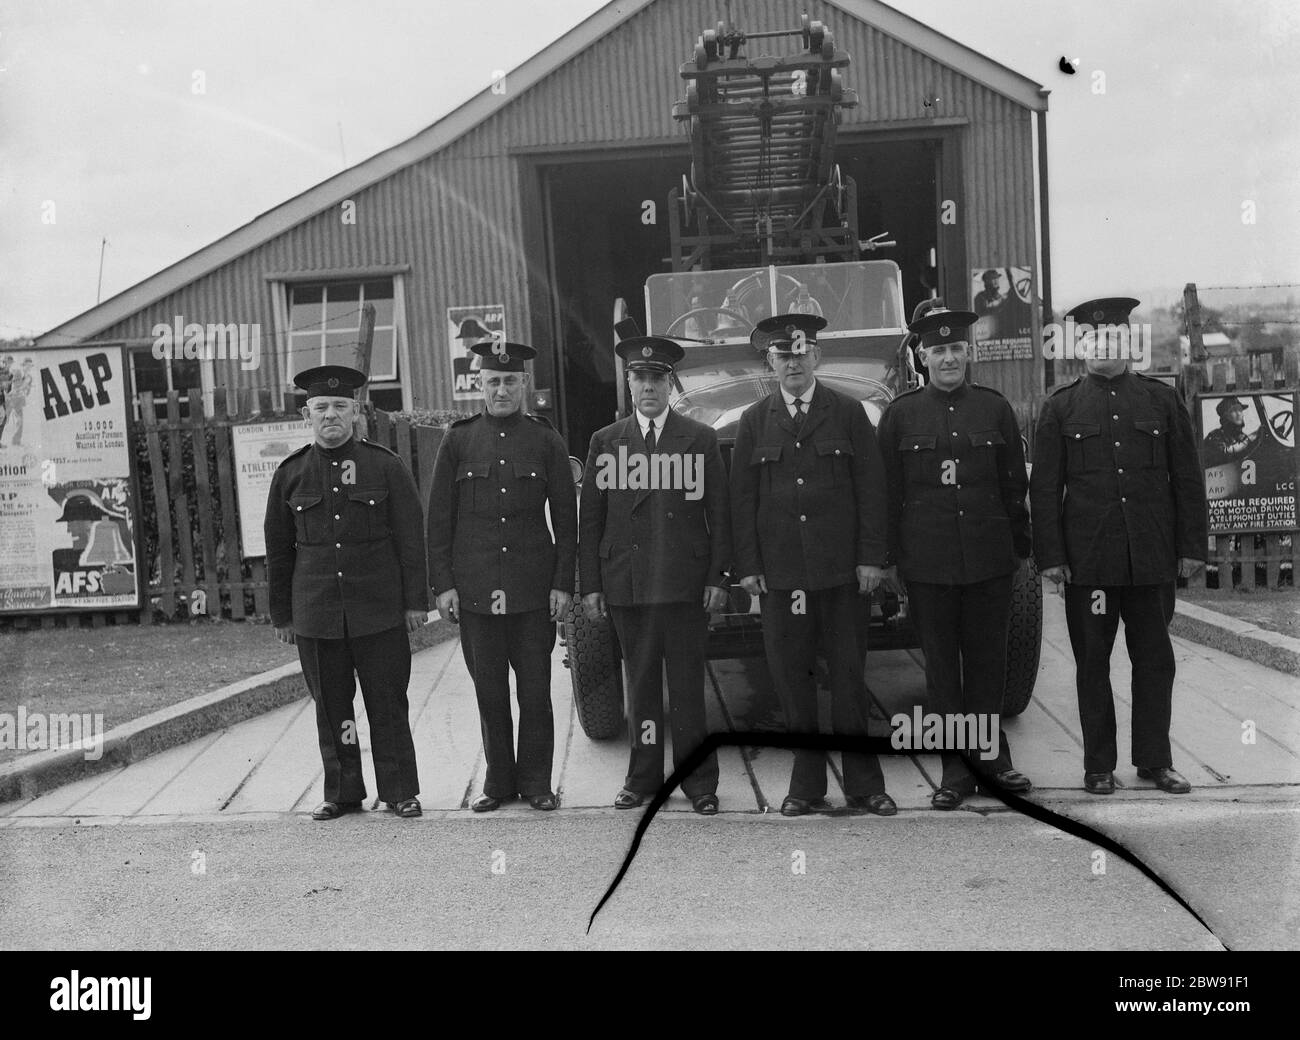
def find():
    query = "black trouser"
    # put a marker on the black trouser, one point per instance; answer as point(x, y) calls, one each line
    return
point(830, 619)
point(382, 662)
point(492, 645)
point(654, 638)
point(1092, 614)
point(963, 631)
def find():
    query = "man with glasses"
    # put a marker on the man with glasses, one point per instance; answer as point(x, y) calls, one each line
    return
point(809, 538)
point(499, 574)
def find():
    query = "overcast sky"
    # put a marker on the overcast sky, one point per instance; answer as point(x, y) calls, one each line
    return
point(1200, 115)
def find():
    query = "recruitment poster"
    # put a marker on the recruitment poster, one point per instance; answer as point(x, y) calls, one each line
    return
point(1003, 298)
point(1249, 454)
point(465, 327)
point(67, 508)
point(259, 449)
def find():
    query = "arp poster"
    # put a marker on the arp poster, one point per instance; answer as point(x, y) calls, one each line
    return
point(67, 505)
point(1247, 444)
point(465, 327)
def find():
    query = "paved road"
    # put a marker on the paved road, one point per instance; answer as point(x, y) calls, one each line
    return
point(982, 877)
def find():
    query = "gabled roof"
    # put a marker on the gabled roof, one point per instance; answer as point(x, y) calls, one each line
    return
point(463, 119)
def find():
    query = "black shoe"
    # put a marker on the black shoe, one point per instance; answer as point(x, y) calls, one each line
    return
point(1008, 780)
point(880, 804)
point(486, 803)
point(333, 810)
point(545, 802)
point(705, 804)
point(628, 799)
point(407, 808)
point(1099, 783)
point(793, 806)
point(1166, 779)
point(947, 798)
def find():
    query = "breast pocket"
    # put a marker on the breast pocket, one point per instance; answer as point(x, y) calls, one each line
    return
point(309, 518)
point(984, 445)
point(471, 486)
point(839, 454)
point(920, 459)
point(1084, 447)
point(367, 518)
point(1151, 441)
point(531, 482)
point(766, 458)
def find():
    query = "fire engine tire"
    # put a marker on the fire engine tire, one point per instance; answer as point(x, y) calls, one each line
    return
point(1024, 642)
point(596, 668)
point(816, 34)
point(711, 44)
point(701, 55)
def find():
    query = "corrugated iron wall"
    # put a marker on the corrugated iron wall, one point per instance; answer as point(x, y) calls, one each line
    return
point(455, 217)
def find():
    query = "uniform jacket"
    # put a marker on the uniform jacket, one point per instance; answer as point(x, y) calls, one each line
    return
point(493, 482)
point(641, 546)
point(1117, 491)
point(807, 509)
point(957, 485)
point(344, 541)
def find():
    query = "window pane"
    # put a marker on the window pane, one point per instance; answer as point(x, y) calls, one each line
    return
point(343, 305)
point(341, 348)
point(186, 374)
point(304, 352)
point(150, 373)
point(305, 306)
point(381, 295)
point(383, 355)
point(389, 400)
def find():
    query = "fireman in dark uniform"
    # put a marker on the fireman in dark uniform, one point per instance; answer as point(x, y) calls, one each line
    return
point(959, 536)
point(809, 537)
point(498, 572)
point(346, 569)
point(1118, 502)
point(657, 558)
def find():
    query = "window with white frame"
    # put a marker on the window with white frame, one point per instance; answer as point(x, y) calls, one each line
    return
point(324, 328)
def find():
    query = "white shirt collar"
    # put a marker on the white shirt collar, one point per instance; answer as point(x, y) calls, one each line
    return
point(658, 421)
point(806, 397)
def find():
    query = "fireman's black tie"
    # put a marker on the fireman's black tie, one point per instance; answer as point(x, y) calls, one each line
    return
point(650, 439)
point(798, 413)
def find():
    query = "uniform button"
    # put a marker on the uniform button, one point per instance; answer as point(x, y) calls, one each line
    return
point(958, 487)
point(837, 451)
point(502, 433)
point(503, 548)
point(803, 519)
point(951, 409)
point(336, 516)
point(340, 574)
point(372, 501)
point(300, 509)
point(961, 512)
point(916, 447)
point(956, 462)
point(1117, 444)
point(502, 461)
point(503, 491)
point(335, 463)
point(1155, 431)
point(503, 519)
point(1114, 416)
point(954, 433)
point(635, 547)
point(1121, 472)
point(469, 473)
point(1123, 499)
point(670, 516)
point(338, 545)
point(1112, 393)
point(797, 444)
point(336, 489)
point(1077, 436)
point(533, 473)
point(799, 480)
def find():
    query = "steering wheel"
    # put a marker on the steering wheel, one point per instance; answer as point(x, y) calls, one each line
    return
point(681, 320)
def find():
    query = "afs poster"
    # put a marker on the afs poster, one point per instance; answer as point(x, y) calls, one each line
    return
point(68, 510)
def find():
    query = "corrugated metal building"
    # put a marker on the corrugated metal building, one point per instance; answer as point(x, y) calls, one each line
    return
point(529, 198)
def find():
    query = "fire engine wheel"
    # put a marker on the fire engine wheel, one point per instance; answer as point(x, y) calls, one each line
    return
point(595, 666)
point(1024, 642)
point(816, 35)
point(680, 322)
point(701, 54)
point(711, 44)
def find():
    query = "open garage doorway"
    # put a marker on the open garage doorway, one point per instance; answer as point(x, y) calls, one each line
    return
point(603, 242)
point(897, 184)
